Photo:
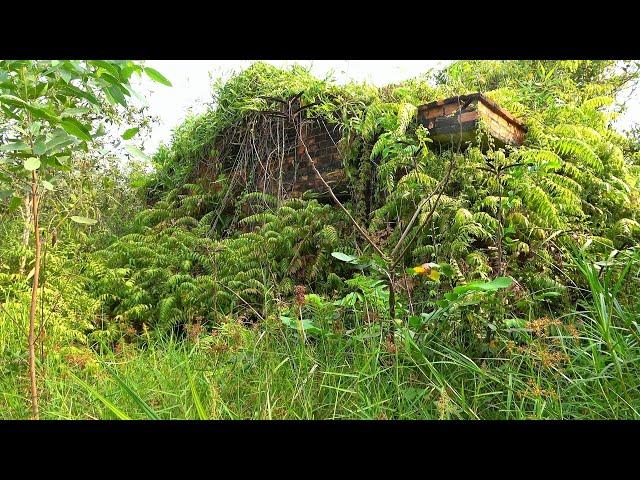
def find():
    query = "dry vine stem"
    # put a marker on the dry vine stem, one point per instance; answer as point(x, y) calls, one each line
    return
point(395, 258)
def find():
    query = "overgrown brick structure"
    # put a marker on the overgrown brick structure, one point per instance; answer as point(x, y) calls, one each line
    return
point(455, 120)
point(267, 153)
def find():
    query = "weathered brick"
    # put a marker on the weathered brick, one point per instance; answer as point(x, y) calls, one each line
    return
point(436, 116)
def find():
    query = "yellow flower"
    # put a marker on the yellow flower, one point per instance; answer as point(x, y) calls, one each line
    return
point(420, 270)
point(427, 270)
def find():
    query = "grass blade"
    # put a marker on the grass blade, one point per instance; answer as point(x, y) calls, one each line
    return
point(115, 410)
point(202, 414)
point(149, 412)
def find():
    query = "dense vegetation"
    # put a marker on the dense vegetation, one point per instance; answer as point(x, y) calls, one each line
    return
point(470, 282)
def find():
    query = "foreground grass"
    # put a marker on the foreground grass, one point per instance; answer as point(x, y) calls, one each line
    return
point(544, 371)
point(271, 375)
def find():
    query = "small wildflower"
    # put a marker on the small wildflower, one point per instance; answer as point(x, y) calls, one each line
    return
point(76, 360)
point(540, 325)
point(300, 291)
point(536, 391)
point(443, 405)
point(428, 269)
point(194, 330)
point(552, 359)
point(573, 331)
point(390, 346)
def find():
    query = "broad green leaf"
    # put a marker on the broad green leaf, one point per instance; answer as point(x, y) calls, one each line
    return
point(492, 286)
point(47, 185)
point(306, 325)
point(51, 161)
point(70, 112)
point(31, 164)
point(58, 142)
point(156, 76)
point(498, 283)
point(39, 147)
point(106, 66)
point(343, 257)
point(130, 133)
point(126, 72)
point(44, 114)
point(12, 100)
point(9, 113)
point(117, 95)
point(37, 111)
point(14, 203)
point(136, 152)
point(84, 220)
point(75, 91)
point(14, 147)
point(66, 75)
point(110, 78)
point(75, 128)
point(34, 128)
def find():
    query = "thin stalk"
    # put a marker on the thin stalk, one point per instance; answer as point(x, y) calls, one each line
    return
point(34, 298)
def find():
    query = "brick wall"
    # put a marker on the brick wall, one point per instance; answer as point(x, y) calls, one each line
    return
point(500, 127)
point(294, 174)
point(321, 140)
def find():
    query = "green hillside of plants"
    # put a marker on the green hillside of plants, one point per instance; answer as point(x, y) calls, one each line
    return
point(454, 282)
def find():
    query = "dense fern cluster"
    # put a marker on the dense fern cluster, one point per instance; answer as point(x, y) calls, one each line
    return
point(171, 270)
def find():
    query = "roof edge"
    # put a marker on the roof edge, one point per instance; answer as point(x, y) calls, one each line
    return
point(476, 96)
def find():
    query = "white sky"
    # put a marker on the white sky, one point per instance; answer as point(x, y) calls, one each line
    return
point(192, 80)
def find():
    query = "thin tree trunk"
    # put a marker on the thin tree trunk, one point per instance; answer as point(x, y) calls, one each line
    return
point(34, 298)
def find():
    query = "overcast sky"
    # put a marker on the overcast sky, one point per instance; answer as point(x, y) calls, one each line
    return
point(192, 80)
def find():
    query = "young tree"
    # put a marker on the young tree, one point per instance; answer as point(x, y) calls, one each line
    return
point(51, 111)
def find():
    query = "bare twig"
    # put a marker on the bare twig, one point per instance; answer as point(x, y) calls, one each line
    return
point(335, 199)
point(431, 212)
point(242, 300)
point(440, 186)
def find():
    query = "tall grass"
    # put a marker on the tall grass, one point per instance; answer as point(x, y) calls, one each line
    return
point(266, 372)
